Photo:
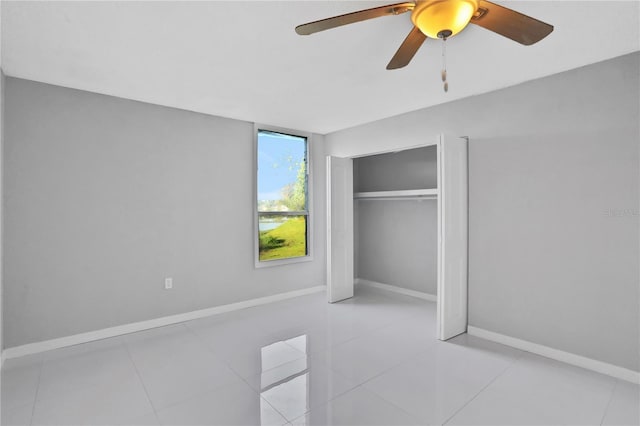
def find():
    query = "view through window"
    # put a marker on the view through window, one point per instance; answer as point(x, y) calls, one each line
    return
point(283, 213)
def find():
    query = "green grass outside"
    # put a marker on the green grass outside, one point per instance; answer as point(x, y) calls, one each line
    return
point(287, 240)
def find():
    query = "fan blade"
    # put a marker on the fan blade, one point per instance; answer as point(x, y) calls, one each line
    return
point(407, 49)
point(350, 18)
point(511, 24)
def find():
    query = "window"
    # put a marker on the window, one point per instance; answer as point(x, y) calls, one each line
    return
point(282, 197)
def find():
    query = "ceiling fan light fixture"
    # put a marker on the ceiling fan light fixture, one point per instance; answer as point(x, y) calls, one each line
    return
point(437, 17)
point(441, 19)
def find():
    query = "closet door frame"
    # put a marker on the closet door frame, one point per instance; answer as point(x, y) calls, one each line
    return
point(452, 172)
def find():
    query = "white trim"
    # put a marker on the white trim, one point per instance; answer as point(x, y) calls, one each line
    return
point(558, 355)
point(396, 289)
point(90, 336)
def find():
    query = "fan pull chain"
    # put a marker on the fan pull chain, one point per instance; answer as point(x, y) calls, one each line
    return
point(444, 64)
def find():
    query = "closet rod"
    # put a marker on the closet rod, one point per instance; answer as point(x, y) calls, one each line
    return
point(429, 197)
point(404, 193)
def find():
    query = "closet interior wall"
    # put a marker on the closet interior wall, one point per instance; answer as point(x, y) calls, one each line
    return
point(396, 239)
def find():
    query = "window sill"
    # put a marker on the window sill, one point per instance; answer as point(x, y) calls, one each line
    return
point(282, 262)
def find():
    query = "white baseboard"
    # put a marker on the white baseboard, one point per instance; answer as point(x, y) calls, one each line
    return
point(558, 355)
point(105, 333)
point(395, 289)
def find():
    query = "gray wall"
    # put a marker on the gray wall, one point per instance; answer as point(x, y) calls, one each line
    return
point(104, 197)
point(553, 209)
point(396, 241)
point(410, 169)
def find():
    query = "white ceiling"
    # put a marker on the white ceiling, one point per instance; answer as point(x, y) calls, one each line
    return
point(243, 60)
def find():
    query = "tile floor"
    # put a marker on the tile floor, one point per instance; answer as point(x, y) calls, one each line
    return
point(371, 360)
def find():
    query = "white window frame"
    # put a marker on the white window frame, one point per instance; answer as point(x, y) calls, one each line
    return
point(309, 167)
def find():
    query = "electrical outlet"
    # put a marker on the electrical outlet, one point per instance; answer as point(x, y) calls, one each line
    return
point(168, 283)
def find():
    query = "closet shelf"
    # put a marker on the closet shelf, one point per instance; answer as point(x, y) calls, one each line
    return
point(397, 195)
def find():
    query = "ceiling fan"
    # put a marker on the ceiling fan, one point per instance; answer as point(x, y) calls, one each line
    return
point(442, 19)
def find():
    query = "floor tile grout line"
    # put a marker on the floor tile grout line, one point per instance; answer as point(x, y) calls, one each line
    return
point(35, 397)
point(144, 386)
point(411, 416)
point(606, 409)
point(386, 370)
point(226, 363)
point(334, 397)
point(208, 349)
point(415, 356)
point(202, 340)
point(195, 396)
point(351, 339)
point(246, 381)
point(361, 385)
point(264, 399)
point(502, 373)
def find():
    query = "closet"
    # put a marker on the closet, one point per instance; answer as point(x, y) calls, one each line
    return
point(396, 221)
point(381, 228)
